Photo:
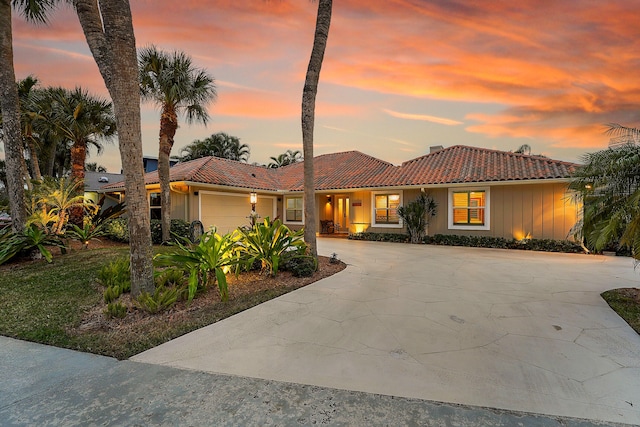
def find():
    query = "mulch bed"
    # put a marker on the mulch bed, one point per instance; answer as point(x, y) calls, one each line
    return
point(240, 287)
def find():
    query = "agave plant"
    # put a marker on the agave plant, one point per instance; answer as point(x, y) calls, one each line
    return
point(206, 261)
point(271, 243)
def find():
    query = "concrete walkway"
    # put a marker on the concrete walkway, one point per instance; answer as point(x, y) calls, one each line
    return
point(516, 330)
point(47, 386)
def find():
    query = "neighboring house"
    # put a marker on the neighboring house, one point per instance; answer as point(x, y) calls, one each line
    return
point(150, 163)
point(479, 192)
point(94, 181)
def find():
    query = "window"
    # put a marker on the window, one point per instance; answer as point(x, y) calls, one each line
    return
point(385, 211)
point(293, 211)
point(155, 209)
point(469, 209)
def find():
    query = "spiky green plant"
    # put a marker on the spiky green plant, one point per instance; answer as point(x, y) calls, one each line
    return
point(272, 243)
point(31, 238)
point(416, 216)
point(160, 300)
point(206, 261)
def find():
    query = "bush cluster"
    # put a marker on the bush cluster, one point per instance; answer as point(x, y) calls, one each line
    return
point(300, 267)
point(545, 245)
point(118, 230)
point(380, 237)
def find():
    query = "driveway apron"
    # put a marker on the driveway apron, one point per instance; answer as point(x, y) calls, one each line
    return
point(517, 330)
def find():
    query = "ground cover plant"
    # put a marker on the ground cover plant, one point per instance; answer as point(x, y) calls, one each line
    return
point(63, 303)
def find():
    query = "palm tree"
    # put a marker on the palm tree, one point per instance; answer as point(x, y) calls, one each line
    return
point(10, 107)
point(172, 82)
point(609, 186)
point(218, 145)
point(309, 92)
point(84, 120)
point(29, 114)
point(61, 196)
point(108, 29)
point(287, 158)
point(94, 167)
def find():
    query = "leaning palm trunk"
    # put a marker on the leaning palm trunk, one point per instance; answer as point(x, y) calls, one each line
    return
point(323, 22)
point(168, 127)
point(108, 28)
point(10, 106)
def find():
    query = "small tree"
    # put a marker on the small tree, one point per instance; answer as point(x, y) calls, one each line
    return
point(416, 216)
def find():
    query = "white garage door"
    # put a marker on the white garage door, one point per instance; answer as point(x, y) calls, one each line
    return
point(228, 212)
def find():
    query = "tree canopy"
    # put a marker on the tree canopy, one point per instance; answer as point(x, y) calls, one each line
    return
point(609, 185)
point(218, 145)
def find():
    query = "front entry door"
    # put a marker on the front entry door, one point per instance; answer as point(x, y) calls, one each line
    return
point(341, 214)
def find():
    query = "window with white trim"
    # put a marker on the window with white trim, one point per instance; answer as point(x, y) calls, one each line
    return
point(469, 209)
point(293, 209)
point(385, 209)
point(155, 206)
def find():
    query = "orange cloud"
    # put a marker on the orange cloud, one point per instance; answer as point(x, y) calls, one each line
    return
point(422, 117)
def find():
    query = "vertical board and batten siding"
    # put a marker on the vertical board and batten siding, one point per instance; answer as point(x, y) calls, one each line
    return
point(540, 211)
point(179, 206)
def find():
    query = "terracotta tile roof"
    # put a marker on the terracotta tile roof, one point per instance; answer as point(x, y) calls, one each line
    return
point(353, 169)
point(349, 169)
point(215, 170)
point(460, 164)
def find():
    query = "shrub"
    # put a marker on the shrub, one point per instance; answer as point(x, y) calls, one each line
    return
point(380, 237)
point(118, 230)
point(170, 277)
point(178, 228)
point(88, 232)
point(271, 243)
point(301, 267)
point(112, 293)
point(162, 299)
point(116, 310)
point(547, 245)
point(30, 239)
point(116, 274)
point(206, 261)
point(416, 215)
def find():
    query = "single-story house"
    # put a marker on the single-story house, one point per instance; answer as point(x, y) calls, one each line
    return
point(479, 192)
point(94, 181)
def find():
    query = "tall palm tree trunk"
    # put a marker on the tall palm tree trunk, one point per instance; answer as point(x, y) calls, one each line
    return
point(168, 127)
point(78, 157)
point(10, 106)
point(33, 154)
point(323, 22)
point(108, 28)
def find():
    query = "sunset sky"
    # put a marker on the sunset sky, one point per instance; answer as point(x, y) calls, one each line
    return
point(398, 76)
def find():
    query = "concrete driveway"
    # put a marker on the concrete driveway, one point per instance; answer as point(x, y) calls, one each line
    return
point(517, 330)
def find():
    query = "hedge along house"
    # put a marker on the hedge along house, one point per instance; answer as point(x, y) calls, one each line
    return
point(479, 192)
